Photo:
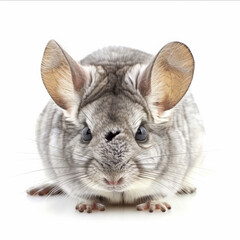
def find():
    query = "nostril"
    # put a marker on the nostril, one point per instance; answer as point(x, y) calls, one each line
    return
point(113, 182)
point(110, 135)
point(119, 181)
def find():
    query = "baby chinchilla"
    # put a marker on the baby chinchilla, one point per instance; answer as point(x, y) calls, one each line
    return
point(121, 128)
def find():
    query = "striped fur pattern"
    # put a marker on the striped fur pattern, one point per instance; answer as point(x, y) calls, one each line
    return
point(154, 169)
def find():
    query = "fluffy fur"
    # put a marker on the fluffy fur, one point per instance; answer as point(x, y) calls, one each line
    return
point(112, 101)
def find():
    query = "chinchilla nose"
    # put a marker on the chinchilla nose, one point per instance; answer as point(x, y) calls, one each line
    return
point(110, 135)
point(113, 182)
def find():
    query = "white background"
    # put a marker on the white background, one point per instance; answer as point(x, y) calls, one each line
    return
point(211, 30)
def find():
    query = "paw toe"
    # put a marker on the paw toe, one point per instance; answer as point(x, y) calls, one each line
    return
point(152, 206)
point(83, 207)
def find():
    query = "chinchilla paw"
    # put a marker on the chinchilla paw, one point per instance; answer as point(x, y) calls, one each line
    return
point(187, 189)
point(89, 207)
point(153, 205)
point(45, 190)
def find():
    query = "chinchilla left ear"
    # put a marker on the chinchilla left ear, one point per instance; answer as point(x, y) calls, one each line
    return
point(166, 80)
point(62, 76)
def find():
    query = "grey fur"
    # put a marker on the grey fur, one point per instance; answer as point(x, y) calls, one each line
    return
point(152, 170)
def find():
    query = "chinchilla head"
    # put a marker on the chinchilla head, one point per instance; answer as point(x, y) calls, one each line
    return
point(116, 110)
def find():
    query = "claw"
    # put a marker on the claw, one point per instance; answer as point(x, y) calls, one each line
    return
point(89, 209)
point(167, 205)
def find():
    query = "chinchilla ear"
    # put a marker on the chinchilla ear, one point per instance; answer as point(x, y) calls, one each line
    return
point(62, 76)
point(166, 80)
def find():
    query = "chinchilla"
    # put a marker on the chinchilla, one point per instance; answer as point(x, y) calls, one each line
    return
point(122, 126)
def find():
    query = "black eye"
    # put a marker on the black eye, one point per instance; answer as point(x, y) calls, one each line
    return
point(86, 134)
point(141, 134)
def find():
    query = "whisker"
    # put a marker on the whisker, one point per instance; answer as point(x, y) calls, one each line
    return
point(175, 154)
point(59, 148)
point(175, 176)
point(176, 165)
point(158, 183)
point(44, 169)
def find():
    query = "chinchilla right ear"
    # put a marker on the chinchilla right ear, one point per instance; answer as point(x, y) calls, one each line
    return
point(166, 80)
point(62, 76)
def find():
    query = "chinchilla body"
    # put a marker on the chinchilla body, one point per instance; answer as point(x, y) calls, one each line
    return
point(114, 164)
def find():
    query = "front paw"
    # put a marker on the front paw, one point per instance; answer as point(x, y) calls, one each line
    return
point(187, 189)
point(89, 207)
point(45, 190)
point(153, 205)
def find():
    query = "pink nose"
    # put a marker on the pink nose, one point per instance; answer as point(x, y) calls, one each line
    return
point(113, 182)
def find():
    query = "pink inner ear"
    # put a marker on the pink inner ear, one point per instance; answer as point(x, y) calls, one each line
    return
point(79, 76)
point(144, 81)
point(62, 76)
point(168, 77)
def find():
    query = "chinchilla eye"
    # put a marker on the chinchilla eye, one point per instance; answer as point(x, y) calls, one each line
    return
point(141, 134)
point(86, 134)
